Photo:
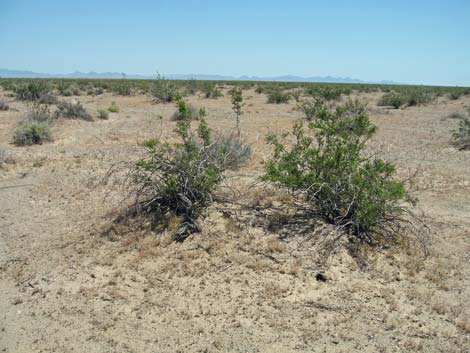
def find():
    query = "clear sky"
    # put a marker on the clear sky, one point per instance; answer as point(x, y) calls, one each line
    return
point(412, 41)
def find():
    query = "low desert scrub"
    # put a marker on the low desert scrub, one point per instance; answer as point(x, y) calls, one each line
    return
point(278, 97)
point(72, 111)
point(103, 114)
point(341, 183)
point(229, 151)
point(4, 106)
point(237, 105)
point(123, 89)
point(186, 111)
point(327, 93)
point(405, 98)
point(176, 181)
point(113, 108)
point(309, 108)
point(391, 100)
point(32, 91)
point(32, 132)
point(164, 91)
point(461, 136)
point(210, 90)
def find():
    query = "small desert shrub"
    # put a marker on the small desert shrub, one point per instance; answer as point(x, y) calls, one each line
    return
point(177, 180)
point(113, 108)
point(72, 111)
point(278, 97)
point(229, 151)
point(47, 98)
point(259, 89)
point(164, 91)
point(309, 108)
point(32, 91)
point(186, 111)
point(210, 90)
point(67, 89)
point(327, 93)
point(237, 105)
point(4, 106)
point(123, 89)
point(408, 98)
point(32, 132)
point(343, 185)
point(39, 113)
point(461, 136)
point(103, 114)
point(391, 100)
point(296, 94)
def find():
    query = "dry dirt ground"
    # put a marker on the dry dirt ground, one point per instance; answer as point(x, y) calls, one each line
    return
point(247, 283)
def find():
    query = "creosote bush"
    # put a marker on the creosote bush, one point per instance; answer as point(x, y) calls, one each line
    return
point(210, 90)
point(278, 97)
point(72, 111)
point(407, 98)
point(309, 108)
point(164, 91)
point(186, 111)
point(177, 180)
point(344, 186)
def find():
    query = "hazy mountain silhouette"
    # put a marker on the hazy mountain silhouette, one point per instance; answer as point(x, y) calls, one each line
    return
point(285, 78)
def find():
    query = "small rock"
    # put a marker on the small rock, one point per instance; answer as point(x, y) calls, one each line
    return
point(321, 277)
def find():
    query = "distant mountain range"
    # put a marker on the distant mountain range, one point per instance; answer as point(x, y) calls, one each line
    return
point(285, 78)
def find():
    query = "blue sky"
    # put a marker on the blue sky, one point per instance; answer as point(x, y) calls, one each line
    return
point(414, 41)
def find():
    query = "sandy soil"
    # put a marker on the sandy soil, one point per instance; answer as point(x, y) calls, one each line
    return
point(70, 284)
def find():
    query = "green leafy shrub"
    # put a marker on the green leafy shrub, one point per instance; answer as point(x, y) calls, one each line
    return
point(344, 186)
point(72, 111)
point(461, 136)
point(391, 100)
point(408, 98)
point(210, 90)
point(278, 97)
point(177, 180)
point(113, 108)
point(309, 108)
point(103, 114)
point(186, 111)
point(164, 91)
point(123, 89)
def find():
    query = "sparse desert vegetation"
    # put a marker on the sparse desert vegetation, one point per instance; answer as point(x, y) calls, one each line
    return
point(348, 228)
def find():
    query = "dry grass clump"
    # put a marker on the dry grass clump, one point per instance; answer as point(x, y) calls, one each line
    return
point(103, 114)
point(113, 108)
point(32, 132)
point(229, 151)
